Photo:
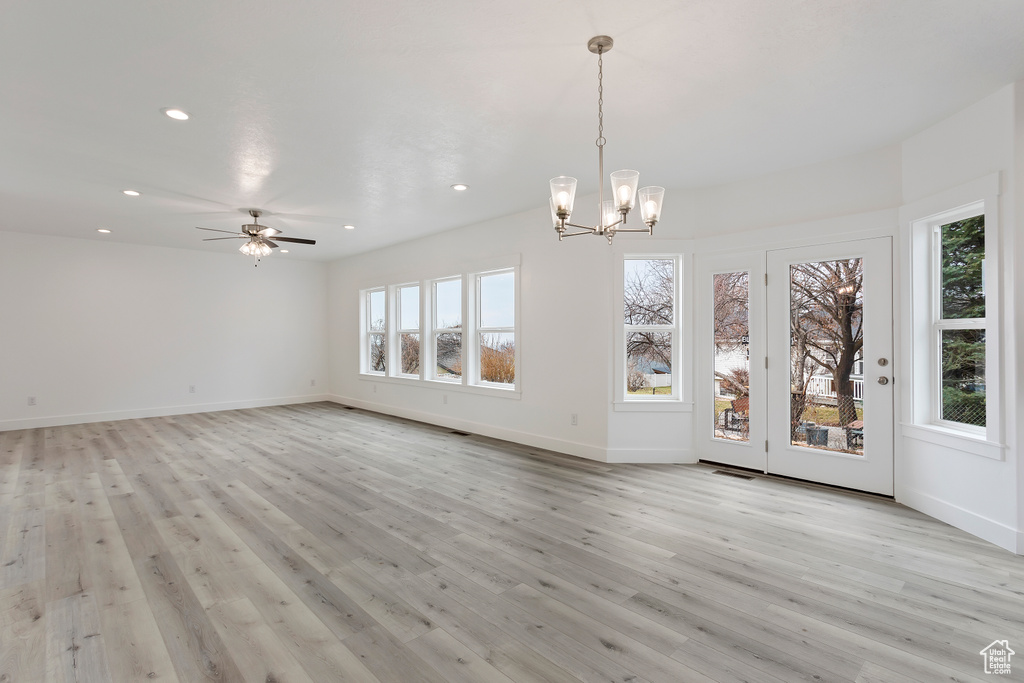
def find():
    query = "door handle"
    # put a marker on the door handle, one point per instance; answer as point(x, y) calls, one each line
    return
point(883, 380)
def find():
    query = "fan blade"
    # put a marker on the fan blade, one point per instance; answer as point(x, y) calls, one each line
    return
point(270, 244)
point(268, 232)
point(230, 232)
point(214, 239)
point(296, 240)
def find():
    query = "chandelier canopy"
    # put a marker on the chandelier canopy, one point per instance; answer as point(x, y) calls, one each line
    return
point(612, 213)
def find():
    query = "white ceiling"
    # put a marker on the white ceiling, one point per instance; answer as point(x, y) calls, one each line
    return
point(324, 112)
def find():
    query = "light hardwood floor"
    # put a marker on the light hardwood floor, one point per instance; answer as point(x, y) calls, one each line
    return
point(315, 543)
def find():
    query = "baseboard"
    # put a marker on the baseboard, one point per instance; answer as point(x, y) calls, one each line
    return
point(581, 450)
point(164, 411)
point(988, 529)
point(651, 455)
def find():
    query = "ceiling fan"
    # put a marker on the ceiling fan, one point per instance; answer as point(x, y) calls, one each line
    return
point(258, 236)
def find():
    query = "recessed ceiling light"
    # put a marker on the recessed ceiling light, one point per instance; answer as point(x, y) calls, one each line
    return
point(103, 230)
point(460, 187)
point(131, 193)
point(350, 227)
point(176, 114)
point(283, 251)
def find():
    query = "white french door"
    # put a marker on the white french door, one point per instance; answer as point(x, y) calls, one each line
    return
point(733, 415)
point(797, 378)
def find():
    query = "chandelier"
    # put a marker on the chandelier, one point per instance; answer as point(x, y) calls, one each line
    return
point(613, 212)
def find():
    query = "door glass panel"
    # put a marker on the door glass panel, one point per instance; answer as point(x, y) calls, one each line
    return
point(732, 355)
point(826, 364)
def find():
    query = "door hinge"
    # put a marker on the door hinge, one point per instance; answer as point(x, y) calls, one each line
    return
point(766, 362)
point(766, 445)
point(766, 279)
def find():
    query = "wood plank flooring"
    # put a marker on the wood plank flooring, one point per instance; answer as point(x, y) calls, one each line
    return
point(318, 543)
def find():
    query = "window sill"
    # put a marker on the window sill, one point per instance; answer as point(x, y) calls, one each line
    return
point(653, 406)
point(955, 439)
point(445, 385)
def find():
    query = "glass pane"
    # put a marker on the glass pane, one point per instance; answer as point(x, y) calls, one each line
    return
point(963, 258)
point(448, 352)
point(377, 310)
point(498, 300)
point(448, 304)
point(498, 358)
point(648, 291)
point(826, 338)
point(732, 356)
point(963, 376)
point(649, 363)
point(410, 354)
point(377, 354)
point(409, 307)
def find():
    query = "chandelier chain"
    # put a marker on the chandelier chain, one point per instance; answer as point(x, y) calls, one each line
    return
point(600, 98)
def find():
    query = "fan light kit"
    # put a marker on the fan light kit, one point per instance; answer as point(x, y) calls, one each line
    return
point(103, 230)
point(258, 236)
point(612, 213)
point(131, 193)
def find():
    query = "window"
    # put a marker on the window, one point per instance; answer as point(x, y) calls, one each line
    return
point(376, 331)
point(649, 319)
point(959, 322)
point(409, 330)
point(496, 327)
point(459, 330)
point(951, 342)
point(447, 330)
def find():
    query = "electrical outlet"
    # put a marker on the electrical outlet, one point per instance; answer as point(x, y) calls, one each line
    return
point(31, 400)
point(375, 388)
point(444, 399)
point(573, 420)
point(312, 382)
point(191, 388)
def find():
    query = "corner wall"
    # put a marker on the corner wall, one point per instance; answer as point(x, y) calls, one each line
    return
point(101, 331)
point(947, 478)
point(564, 346)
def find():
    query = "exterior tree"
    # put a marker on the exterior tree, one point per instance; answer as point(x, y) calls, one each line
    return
point(827, 325)
point(649, 299)
point(963, 297)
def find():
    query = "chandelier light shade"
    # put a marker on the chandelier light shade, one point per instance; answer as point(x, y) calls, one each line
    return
point(613, 212)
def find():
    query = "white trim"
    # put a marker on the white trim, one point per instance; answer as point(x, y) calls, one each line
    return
point(163, 411)
point(988, 529)
point(651, 455)
point(680, 334)
point(486, 389)
point(667, 404)
point(920, 352)
point(581, 450)
point(956, 439)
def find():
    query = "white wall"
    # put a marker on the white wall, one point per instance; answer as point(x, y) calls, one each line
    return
point(565, 293)
point(567, 296)
point(101, 330)
point(949, 478)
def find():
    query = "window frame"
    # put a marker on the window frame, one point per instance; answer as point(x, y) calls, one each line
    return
point(939, 324)
point(396, 345)
point(435, 330)
point(673, 400)
point(921, 357)
point(469, 381)
point(368, 332)
point(479, 330)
